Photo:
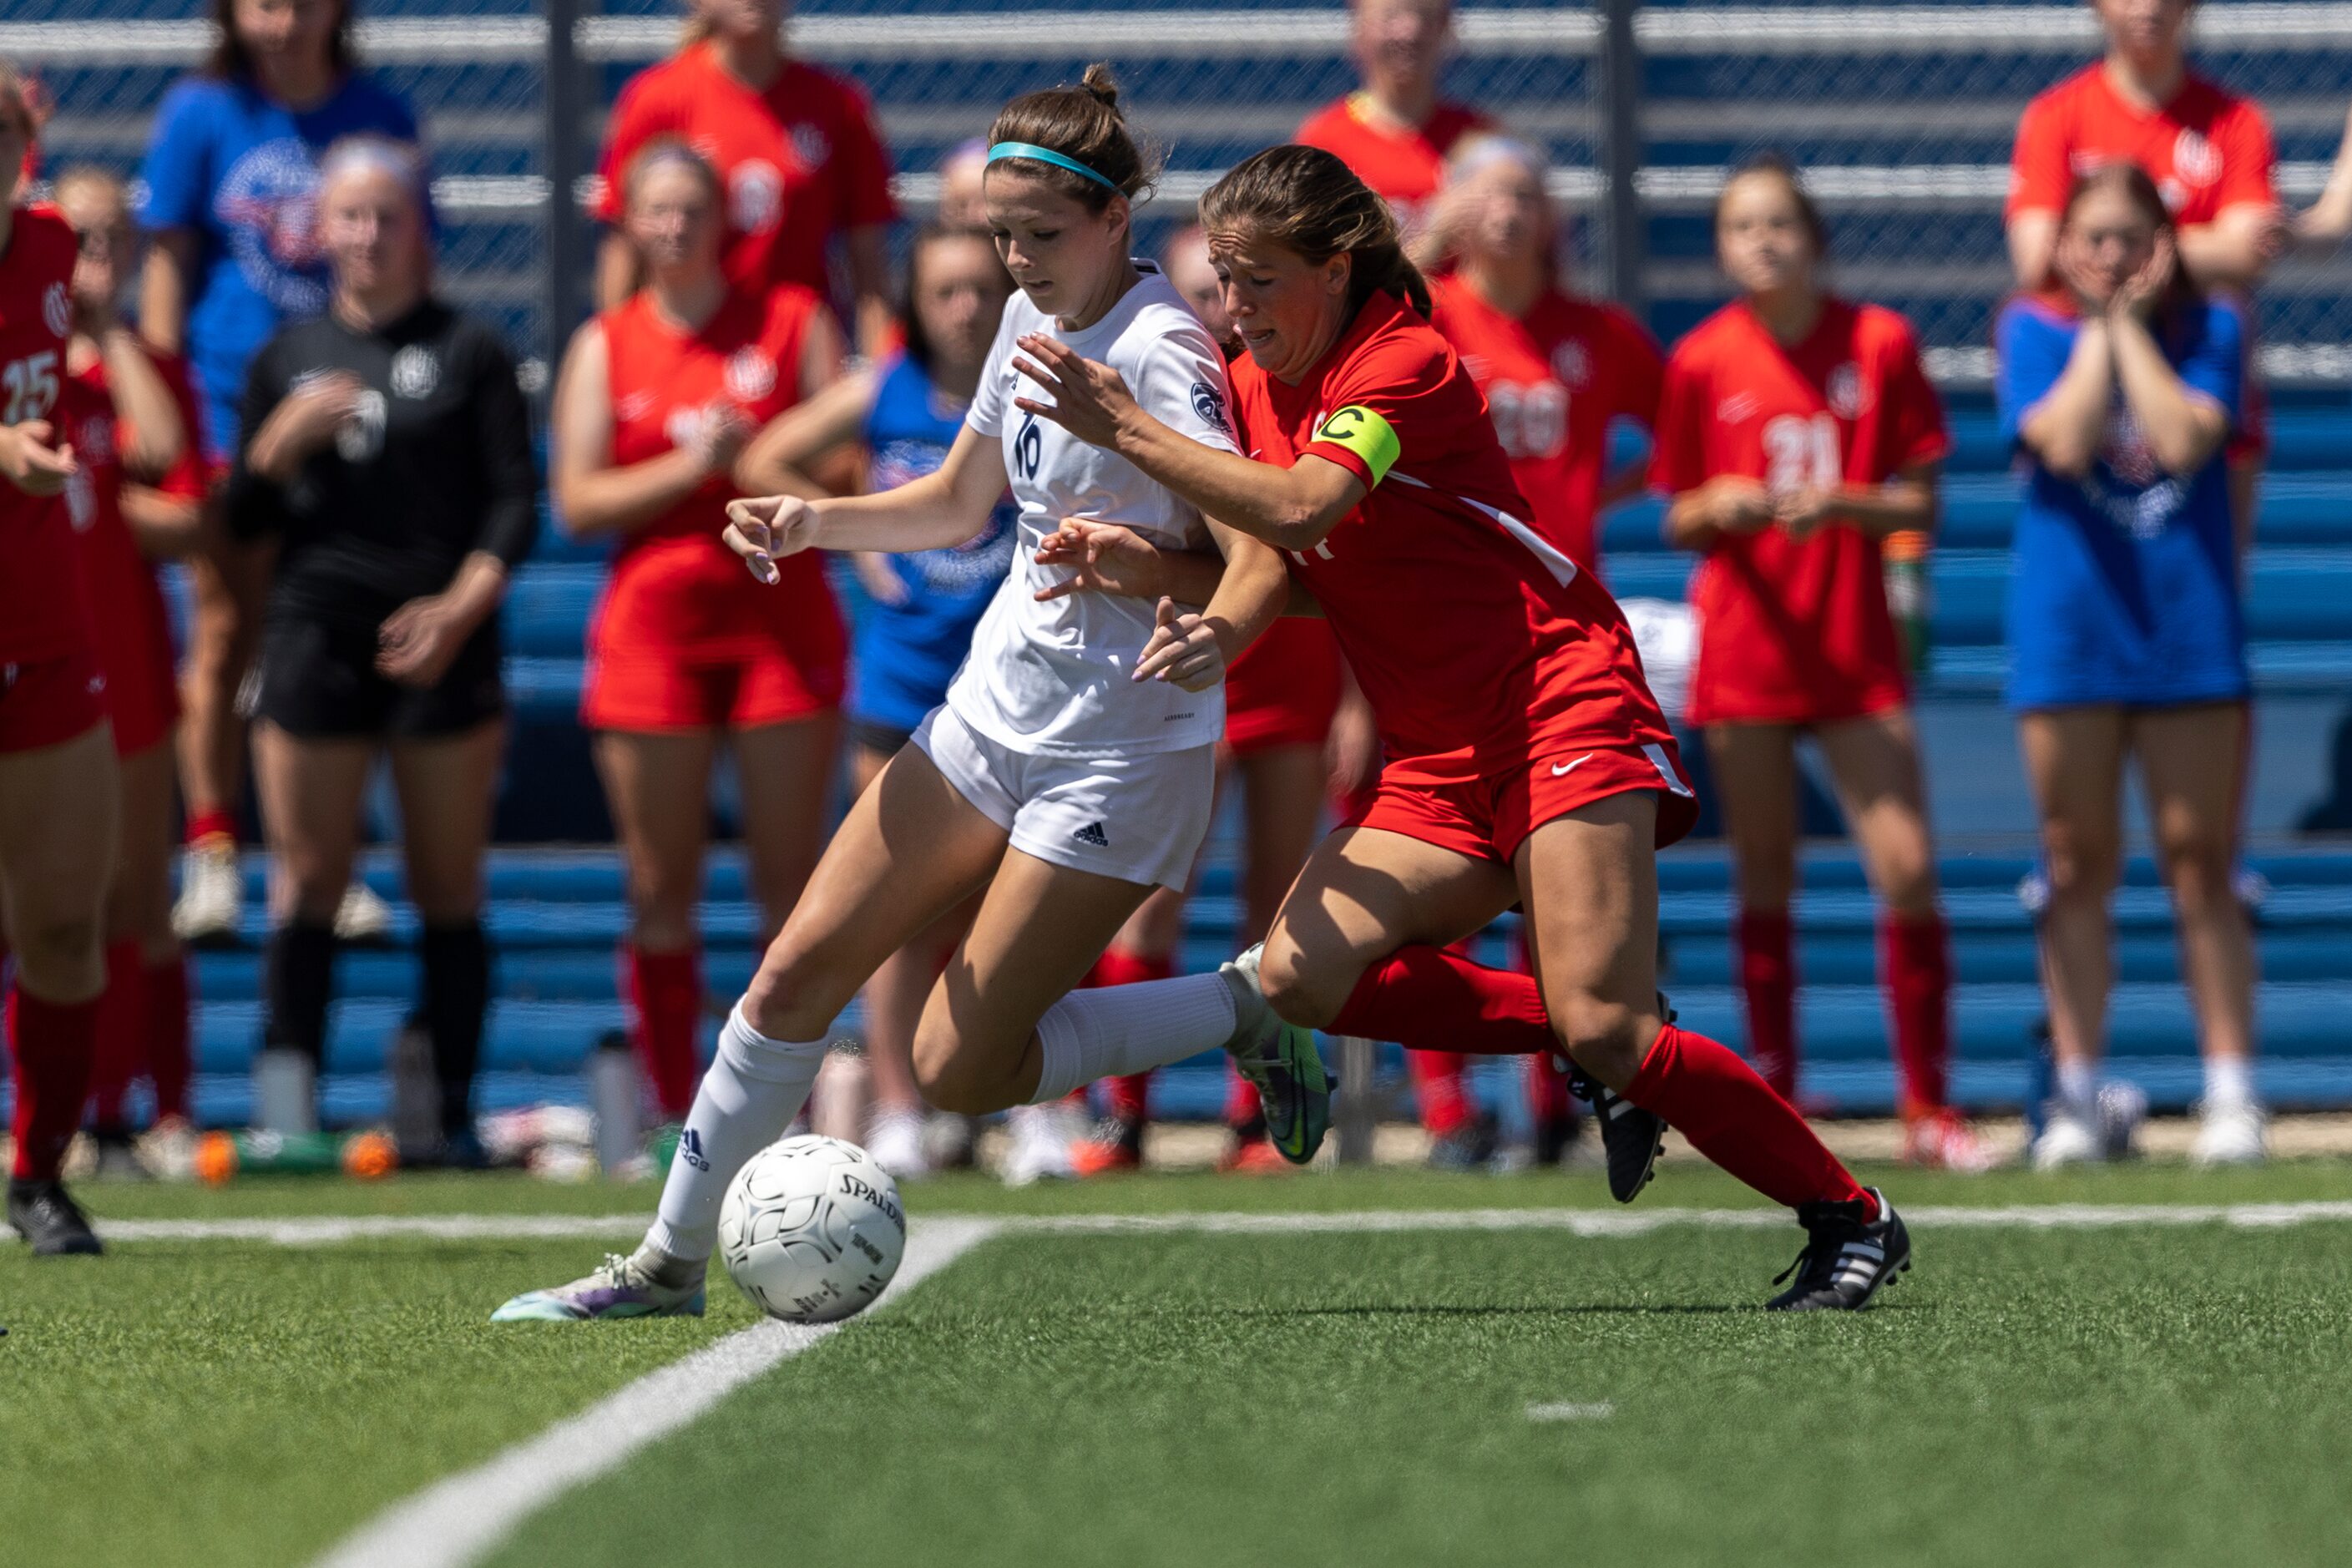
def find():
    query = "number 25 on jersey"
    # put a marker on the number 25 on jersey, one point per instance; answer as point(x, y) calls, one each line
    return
point(29, 387)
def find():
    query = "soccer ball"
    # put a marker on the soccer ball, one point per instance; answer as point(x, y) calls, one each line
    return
point(811, 1229)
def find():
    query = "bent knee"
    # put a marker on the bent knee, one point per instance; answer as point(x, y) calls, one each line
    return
point(1300, 993)
point(62, 957)
point(955, 1077)
point(793, 998)
point(1605, 1038)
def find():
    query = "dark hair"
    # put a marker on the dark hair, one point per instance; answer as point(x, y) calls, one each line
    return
point(1310, 203)
point(2136, 185)
point(229, 62)
point(1778, 165)
point(932, 234)
point(1082, 124)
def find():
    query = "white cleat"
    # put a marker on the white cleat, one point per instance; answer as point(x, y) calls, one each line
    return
point(2231, 1134)
point(2067, 1140)
point(362, 916)
point(211, 897)
point(645, 1284)
point(1041, 1147)
point(896, 1142)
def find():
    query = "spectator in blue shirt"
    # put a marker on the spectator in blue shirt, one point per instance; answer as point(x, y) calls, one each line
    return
point(231, 179)
point(2126, 631)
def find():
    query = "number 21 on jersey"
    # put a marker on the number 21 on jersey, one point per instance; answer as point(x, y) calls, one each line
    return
point(1802, 453)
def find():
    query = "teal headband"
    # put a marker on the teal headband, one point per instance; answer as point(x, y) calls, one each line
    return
point(1047, 155)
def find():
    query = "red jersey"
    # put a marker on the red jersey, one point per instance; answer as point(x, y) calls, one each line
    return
point(2208, 150)
point(1554, 379)
point(42, 612)
point(1795, 633)
point(676, 586)
point(126, 602)
point(1476, 643)
point(801, 161)
point(1407, 169)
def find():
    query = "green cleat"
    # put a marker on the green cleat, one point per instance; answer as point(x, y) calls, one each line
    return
point(621, 1287)
point(1280, 1060)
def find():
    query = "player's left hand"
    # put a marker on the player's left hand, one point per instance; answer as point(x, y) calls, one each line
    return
point(1183, 649)
point(419, 641)
point(1090, 399)
point(1102, 557)
point(1805, 512)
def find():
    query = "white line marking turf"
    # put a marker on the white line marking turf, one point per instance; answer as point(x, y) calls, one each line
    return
point(1568, 1410)
point(462, 1518)
point(328, 1231)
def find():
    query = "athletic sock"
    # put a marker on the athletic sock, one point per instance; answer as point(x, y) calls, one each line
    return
point(118, 1047)
point(456, 998)
point(1245, 1113)
point(165, 989)
point(1091, 1035)
point(1434, 999)
point(753, 1089)
point(2228, 1082)
point(1547, 1096)
point(1915, 964)
point(1441, 1089)
point(2077, 1085)
point(1706, 1093)
point(1129, 1094)
point(1768, 980)
point(666, 993)
point(299, 984)
point(51, 1044)
point(212, 827)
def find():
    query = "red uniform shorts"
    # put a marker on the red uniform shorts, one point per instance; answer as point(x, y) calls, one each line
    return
point(651, 689)
point(142, 697)
point(1489, 817)
point(50, 701)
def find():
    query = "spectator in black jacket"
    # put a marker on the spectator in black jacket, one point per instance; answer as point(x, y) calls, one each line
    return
point(387, 448)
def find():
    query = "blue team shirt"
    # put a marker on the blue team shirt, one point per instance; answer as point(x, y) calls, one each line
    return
point(904, 655)
point(241, 173)
point(2124, 586)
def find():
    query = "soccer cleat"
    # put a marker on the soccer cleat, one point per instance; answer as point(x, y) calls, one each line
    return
point(619, 1287)
point(896, 1142)
point(169, 1150)
point(2067, 1140)
point(2229, 1134)
point(1846, 1258)
point(45, 1214)
point(1281, 1062)
point(118, 1156)
point(1040, 1150)
point(362, 917)
point(1253, 1157)
point(1115, 1145)
point(1469, 1147)
point(1555, 1136)
point(211, 897)
point(1943, 1141)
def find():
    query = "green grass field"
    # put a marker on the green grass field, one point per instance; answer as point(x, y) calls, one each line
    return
point(2137, 1393)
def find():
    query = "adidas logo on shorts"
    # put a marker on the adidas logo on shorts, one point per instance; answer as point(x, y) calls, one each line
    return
point(1092, 833)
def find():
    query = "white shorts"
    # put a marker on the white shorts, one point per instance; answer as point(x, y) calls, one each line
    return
point(1137, 819)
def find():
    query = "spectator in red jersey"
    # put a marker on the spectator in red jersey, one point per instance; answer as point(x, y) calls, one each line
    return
point(132, 420)
point(654, 419)
point(1395, 132)
point(798, 158)
point(2209, 152)
point(58, 797)
point(1796, 432)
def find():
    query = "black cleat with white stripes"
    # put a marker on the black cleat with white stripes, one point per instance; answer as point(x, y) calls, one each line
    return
point(1630, 1137)
point(1846, 1260)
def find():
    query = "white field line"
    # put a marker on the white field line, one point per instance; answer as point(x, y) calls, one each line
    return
point(317, 1232)
point(1569, 1410)
point(460, 1519)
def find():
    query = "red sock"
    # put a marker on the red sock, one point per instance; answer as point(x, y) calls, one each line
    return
point(168, 1061)
point(119, 1050)
point(1429, 998)
point(666, 990)
point(1243, 1111)
point(210, 823)
point(52, 1046)
point(1915, 964)
point(1548, 1097)
point(1441, 1085)
point(1130, 1097)
point(1768, 977)
point(1730, 1115)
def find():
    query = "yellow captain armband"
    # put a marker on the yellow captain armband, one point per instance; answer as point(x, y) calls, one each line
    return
point(1367, 435)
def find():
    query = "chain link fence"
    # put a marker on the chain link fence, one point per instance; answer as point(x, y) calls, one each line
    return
point(1902, 114)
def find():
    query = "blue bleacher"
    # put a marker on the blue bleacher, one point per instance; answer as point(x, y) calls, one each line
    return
point(557, 911)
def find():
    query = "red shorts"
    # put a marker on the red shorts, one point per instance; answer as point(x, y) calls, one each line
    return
point(1488, 819)
point(653, 690)
point(1284, 688)
point(143, 696)
point(50, 701)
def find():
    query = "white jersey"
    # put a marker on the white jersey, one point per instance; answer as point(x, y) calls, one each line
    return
point(1055, 678)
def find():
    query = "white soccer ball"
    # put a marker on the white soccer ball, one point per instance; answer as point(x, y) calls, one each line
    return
point(811, 1229)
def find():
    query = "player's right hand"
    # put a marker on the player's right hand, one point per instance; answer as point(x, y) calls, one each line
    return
point(1740, 505)
point(1102, 557)
point(32, 465)
point(763, 529)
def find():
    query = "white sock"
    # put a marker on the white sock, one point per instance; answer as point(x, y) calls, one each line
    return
point(1118, 1029)
point(2228, 1082)
point(753, 1089)
point(2078, 1091)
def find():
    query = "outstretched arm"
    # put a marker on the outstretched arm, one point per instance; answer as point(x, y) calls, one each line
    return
point(943, 508)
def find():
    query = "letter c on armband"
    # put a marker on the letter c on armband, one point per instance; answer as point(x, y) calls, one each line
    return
point(1366, 433)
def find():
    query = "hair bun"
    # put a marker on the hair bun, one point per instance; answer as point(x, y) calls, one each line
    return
point(1101, 85)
